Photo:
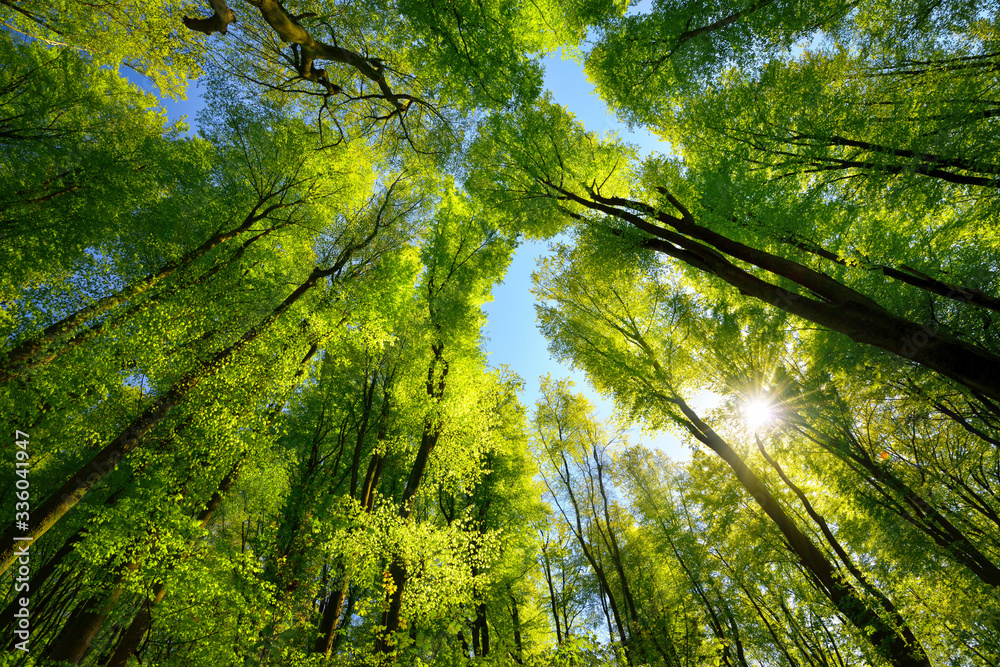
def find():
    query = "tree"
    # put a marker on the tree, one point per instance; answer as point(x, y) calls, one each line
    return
point(263, 425)
point(575, 456)
point(585, 180)
point(644, 64)
point(588, 318)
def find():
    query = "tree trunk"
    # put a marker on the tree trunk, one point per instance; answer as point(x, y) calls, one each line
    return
point(588, 553)
point(334, 604)
point(46, 357)
point(79, 632)
point(71, 492)
point(552, 593)
point(331, 614)
point(839, 308)
point(15, 361)
point(884, 602)
point(516, 622)
point(885, 639)
point(431, 433)
point(132, 637)
point(481, 633)
point(718, 629)
point(140, 623)
point(923, 516)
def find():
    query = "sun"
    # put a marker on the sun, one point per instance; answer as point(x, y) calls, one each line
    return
point(757, 413)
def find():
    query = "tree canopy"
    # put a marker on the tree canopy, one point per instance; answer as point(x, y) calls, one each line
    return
point(250, 414)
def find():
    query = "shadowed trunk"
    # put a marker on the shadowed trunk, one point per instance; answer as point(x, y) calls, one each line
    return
point(79, 632)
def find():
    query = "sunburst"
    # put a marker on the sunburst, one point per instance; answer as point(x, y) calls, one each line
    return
point(757, 412)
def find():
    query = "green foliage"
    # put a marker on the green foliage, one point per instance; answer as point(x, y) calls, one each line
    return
point(84, 154)
point(263, 429)
point(147, 37)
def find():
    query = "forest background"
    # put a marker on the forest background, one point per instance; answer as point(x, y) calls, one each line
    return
point(252, 417)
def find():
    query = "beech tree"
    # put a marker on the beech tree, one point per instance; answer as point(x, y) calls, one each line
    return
point(588, 180)
point(247, 362)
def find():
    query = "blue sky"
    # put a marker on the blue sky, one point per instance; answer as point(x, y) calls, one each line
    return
point(513, 338)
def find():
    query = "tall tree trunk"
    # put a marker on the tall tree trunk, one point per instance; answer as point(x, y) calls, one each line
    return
point(46, 357)
point(882, 600)
point(42, 575)
point(763, 617)
point(435, 388)
point(15, 361)
point(666, 650)
point(921, 514)
point(331, 614)
point(132, 637)
point(77, 637)
point(714, 621)
point(838, 308)
point(552, 592)
point(588, 553)
point(82, 628)
point(616, 614)
point(129, 640)
point(481, 632)
point(56, 604)
point(892, 644)
point(74, 489)
point(516, 623)
point(335, 603)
